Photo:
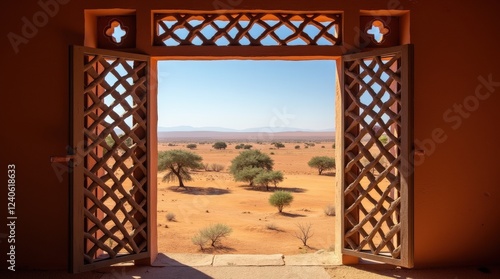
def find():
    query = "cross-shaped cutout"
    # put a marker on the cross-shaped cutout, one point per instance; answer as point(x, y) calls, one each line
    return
point(378, 31)
point(116, 32)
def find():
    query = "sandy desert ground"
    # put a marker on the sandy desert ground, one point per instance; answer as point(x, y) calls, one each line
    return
point(214, 197)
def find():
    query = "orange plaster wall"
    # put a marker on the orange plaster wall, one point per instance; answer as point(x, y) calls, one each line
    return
point(34, 116)
point(457, 191)
point(457, 187)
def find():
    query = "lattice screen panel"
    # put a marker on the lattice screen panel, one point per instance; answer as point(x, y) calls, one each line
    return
point(247, 29)
point(115, 157)
point(374, 174)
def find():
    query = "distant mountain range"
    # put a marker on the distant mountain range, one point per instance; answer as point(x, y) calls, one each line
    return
point(249, 130)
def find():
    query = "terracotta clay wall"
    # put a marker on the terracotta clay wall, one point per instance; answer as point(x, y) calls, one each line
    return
point(457, 88)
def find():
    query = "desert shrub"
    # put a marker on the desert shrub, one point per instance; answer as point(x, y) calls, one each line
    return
point(272, 227)
point(297, 147)
point(280, 199)
point(206, 167)
point(215, 233)
point(304, 232)
point(272, 153)
point(129, 142)
point(191, 146)
point(110, 141)
point(170, 216)
point(322, 146)
point(219, 145)
point(199, 240)
point(217, 167)
point(243, 146)
point(278, 145)
point(171, 144)
point(330, 210)
point(383, 139)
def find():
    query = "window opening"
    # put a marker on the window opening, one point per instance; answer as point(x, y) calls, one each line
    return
point(116, 32)
point(378, 31)
point(248, 29)
point(260, 105)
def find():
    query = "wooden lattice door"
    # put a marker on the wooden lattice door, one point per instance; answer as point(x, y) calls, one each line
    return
point(376, 168)
point(109, 192)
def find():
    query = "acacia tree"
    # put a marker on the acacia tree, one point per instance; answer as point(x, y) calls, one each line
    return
point(178, 164)
point(246, 166)
point(247, 174)
point(322, 163)
point(265, 178)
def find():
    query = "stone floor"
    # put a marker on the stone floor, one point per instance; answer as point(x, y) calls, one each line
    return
point(317, 266)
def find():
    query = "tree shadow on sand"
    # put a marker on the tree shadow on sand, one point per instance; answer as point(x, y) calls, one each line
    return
point(194, 190)
point(329, 173)
point(292, 215)
point(272, 189)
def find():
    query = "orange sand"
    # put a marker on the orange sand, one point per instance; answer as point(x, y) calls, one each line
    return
point(214, 197)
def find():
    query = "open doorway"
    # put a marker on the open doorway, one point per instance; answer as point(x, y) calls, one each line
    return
point(216, 110)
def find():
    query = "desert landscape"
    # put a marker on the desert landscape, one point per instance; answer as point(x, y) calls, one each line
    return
point(257, 228)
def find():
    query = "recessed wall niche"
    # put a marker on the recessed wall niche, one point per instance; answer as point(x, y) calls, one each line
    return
point(116, 32)
point(380, 31)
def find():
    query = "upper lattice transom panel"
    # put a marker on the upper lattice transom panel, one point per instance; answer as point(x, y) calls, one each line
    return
point(248, 29)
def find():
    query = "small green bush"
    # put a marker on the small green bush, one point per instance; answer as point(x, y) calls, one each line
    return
point(206, 166)
point(281, 199)
point(199, 240)
point(215, 233)
point(191, 146)
point(272, 227)
point(217, 167)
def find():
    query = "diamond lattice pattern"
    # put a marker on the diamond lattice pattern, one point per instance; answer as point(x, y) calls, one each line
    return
point(115, 158)
point(372, 161)
point(247, 29)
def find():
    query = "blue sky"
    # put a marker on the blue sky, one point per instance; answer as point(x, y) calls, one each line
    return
point(247, 94)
